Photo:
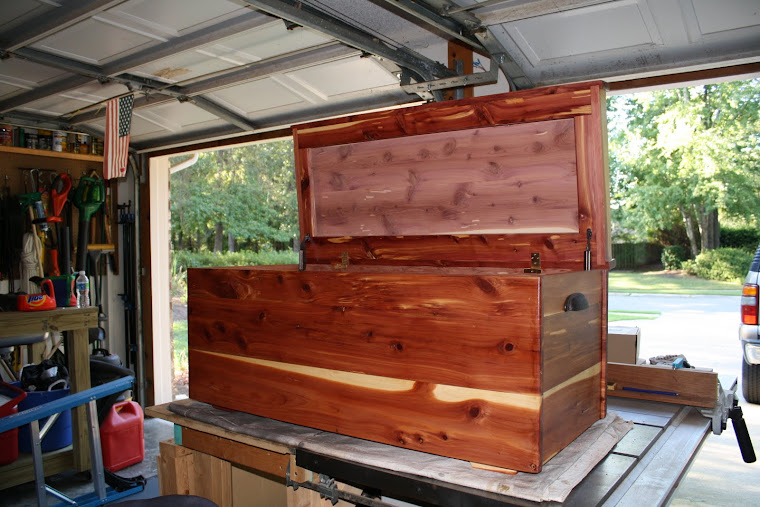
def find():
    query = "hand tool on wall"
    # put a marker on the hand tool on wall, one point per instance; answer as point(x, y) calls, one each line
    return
point(88, 197)
point(59, 193)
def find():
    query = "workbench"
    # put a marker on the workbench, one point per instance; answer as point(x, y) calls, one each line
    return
point(232, 467)
point(76, 322)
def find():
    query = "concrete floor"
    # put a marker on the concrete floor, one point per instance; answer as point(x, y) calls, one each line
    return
point(74, 485)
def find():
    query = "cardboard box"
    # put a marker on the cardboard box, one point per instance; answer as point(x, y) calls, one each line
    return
point(623, 344)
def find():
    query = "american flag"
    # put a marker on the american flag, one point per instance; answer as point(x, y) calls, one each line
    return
point(116, 149)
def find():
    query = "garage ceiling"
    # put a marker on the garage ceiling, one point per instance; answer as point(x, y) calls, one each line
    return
point(205, 69)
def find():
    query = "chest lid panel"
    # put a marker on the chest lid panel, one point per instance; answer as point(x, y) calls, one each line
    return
point(488, 181)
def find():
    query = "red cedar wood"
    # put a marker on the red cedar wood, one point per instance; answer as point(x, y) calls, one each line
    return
point(557, 251)
point(693, 387)
point(571, 348)
point(464, 429)
point(484, 329)
point(505, 179)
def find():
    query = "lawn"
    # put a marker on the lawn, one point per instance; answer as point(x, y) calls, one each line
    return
point(665, 282)
point(613, 316)
point(179, 328)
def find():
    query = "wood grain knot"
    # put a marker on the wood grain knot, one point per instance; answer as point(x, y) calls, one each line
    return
point(507, 347)
point(537, 147)
point(306, 287)
point(387, 156)
point(344, 151)
point(474, 412)
point(397, 346)
point(219, 326)
point(304, 184)
point(462, 193)
point(280, 279)
point(424, 154)
point(485, 285)
point(493, 168)
point(449, 147)
point(262, 316)
point(549, 244)
point(444, 436)
point(336, 181)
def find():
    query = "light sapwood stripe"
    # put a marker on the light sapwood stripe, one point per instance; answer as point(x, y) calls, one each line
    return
point(587, 373)
point(444, 393)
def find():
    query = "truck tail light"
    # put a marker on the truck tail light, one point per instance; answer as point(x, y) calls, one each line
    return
point(749, 304)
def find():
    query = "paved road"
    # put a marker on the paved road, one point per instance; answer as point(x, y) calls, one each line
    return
point(704, 329)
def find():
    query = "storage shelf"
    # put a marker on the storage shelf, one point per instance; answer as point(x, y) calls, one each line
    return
point(51, 154)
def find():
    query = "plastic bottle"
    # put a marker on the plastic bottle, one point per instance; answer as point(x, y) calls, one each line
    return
point(83, 290)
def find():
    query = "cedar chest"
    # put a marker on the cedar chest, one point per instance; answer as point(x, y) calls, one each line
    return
point(452, 292)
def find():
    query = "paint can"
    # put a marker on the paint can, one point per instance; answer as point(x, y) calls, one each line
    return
point(59, 141)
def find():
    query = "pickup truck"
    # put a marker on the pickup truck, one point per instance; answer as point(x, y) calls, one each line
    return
point(749, 333)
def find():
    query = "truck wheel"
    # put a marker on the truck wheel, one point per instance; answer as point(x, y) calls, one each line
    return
point(751, 382)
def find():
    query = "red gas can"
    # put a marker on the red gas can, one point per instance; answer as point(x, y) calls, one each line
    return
point(10, 397)
point(121, 436)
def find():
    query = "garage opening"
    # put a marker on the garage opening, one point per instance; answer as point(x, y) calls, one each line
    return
point(232, 207)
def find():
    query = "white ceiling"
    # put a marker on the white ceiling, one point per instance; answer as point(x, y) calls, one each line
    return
point(220, 68)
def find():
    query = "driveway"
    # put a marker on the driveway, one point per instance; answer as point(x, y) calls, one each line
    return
point(704, 329)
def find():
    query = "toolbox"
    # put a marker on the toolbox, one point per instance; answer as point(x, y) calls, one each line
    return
point(451, 292)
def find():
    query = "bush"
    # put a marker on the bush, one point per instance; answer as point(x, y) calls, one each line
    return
point(185, 259)
point(726, 264)
point(746, 238)
point(673, 256)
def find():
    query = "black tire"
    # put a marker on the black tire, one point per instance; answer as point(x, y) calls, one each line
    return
point(751, 382)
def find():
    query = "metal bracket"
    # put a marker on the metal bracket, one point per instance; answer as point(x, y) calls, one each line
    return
point(302, 252)
point(535, 263)
point(456, 81)
point(587, 253)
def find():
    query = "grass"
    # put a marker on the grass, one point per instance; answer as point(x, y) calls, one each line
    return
point(666, 282)
point(614, 316)
point(179, 328)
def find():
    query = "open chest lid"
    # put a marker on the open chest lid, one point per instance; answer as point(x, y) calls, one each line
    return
point(514, 180)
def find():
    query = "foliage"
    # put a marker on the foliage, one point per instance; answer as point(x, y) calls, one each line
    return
point(746, 238)
point(634, 255)
point(185, 259)
point(246, 193)
point(673, 256)
point(178, 280)
point(726, 264)
point(685, 157)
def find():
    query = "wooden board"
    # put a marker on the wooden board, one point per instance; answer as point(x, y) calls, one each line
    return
point(682, 386)
point(572, 345)
point(472, 331)
point(388, 157)
point(264, 461)
point(435, 418)
point(507, 179)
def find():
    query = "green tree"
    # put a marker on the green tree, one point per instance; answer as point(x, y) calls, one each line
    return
point(686, 157)
point(246, 194)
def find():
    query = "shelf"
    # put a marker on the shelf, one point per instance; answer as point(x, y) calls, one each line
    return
point(51, 154)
